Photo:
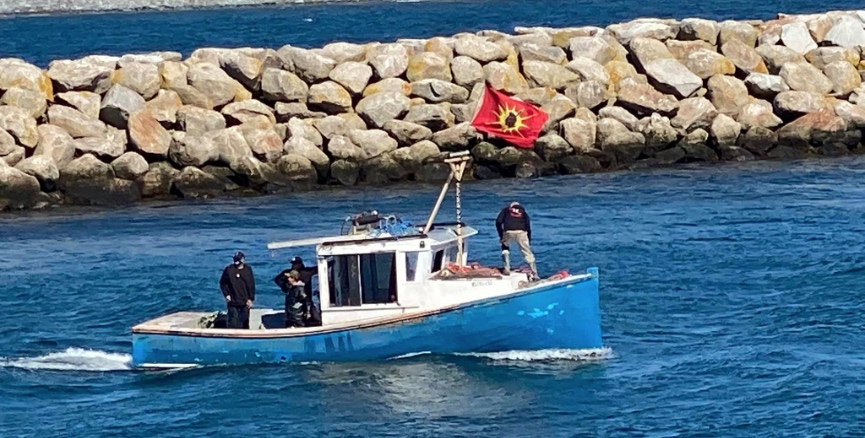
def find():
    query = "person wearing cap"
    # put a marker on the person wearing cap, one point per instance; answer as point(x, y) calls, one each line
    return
point(238, 288)
point(295, 297)
point(514, 226)
point(312, 314)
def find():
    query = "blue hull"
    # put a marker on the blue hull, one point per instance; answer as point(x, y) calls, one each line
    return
point(561, 315)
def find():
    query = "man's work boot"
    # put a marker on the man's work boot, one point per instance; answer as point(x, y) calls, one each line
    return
point(506, 257)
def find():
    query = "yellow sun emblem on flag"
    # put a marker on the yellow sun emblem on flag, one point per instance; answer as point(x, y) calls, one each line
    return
point(510, 119)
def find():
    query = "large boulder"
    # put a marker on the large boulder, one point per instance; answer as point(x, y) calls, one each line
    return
point(381, 170)
point(373, 142)
point(341, 147)
point(158, 179)
point(693, 29)
point(695, 113)
point(86, 74)
point(844, 77)
point(434, 117)
point(847, 32)
point(198, 121)
point(552, 147)
point(32, 102)
point(544, 53)
point(820, 127)
point(354, 76)
point(728, 94)
point(329, 97)
point(345, 172)
point(671, 77)
point(86, 102)
point(283, 86)
point(793, 104)
point(436, 90)
point(388, 60)
point(87, 180)
point(504, 77)
point(130, 166)
point(196, 183)
point(390, 85)
point(546, 74)
point(147, 135)
point(776, 56)
point(797, 37)
point(305, 148)
point(17, 189)
point(765, 86)
point(297, 169)
point(658, 132)
point(231, 146)
point(306, 129)
point(457, 138)
point(264, 142)
point(242, 68)
point(725, 131)
point(580, 131)
point(104, 147)
point(620, 143)
point(143, 78)
point(739, 31)
point(164, 107)
point(823, 56)
point(192, 150)
point(646, 50)
point(643, 28)
point(406, 133)
point(20, 124)
point(309, 65)
point(758, 113)
point(744, 57)
point(428, 65)
point(466, 71)
point(43, 168)
point(592, 47)
point(55, 143)
point(479, 49)
point(707, 63)
point(248, 111)
point(644, 99)
point(118, 104)
point(853, 115)
point(343, 52)
point(802, 76)
point(381, 108)
point(212, 82)
point(17, 73)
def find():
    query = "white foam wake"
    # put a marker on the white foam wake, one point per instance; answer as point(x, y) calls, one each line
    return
point(549, 355)
point(72, 359)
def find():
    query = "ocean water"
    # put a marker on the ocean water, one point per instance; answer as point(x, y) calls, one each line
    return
point(731, 304)
point(40, 39)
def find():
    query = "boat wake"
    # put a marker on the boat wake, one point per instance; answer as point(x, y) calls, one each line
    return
point(549, 355)
point(72, 359)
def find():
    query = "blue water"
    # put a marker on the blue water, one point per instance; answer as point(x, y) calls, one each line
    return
point(42, 39)
point(731, 300)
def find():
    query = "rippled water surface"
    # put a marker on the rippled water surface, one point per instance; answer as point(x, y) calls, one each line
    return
point(731, 298)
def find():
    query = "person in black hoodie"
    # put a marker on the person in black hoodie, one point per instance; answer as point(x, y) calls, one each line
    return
point(296, 301)
point(238, 288)
point(514, 226)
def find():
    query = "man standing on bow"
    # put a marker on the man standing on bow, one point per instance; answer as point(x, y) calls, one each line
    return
point(514, 226)
point(238, 288)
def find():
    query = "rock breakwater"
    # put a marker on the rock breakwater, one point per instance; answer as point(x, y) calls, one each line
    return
point(105, 130)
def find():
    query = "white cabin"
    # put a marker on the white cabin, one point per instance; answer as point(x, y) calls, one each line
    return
point(372, 275)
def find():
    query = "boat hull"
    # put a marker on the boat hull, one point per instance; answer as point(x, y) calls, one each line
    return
point(560, 315)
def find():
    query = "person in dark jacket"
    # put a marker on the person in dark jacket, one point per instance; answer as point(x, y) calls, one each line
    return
point(514, 226)
point(313, 314)
point(238, 288)
point(296, 307)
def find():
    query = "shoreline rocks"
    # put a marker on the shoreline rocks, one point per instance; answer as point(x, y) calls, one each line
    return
point(105, 130)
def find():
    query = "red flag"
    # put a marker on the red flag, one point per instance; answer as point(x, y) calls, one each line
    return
point(509, 119)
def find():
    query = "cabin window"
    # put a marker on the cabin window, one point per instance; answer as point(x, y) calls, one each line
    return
point(344, 276)
point(451, 254)
point(411, 259)
point(378, 278)
point(437, 261)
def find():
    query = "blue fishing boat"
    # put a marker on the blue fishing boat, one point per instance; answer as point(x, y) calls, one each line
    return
point(388, 289)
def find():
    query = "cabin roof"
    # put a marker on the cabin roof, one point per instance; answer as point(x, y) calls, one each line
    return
point(441, 234)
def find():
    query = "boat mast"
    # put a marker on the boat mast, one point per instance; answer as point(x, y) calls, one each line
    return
point(457, 162)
